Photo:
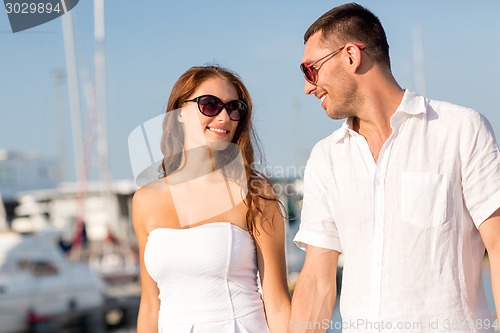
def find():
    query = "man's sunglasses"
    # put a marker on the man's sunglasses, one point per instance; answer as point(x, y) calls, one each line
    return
point(311, 73)
point(211, 106)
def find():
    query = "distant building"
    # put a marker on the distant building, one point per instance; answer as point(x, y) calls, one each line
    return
point(24, 171)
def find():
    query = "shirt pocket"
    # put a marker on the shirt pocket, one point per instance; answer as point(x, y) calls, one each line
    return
point(424, 199)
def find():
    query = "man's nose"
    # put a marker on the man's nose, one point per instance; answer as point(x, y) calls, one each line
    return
point(309, 87)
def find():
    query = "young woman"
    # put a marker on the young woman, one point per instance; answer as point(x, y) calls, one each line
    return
point(211, 221)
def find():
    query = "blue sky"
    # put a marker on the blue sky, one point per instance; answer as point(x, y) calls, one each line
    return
point(150, 44)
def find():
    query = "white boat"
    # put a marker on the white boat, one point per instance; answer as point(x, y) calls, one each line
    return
point(39, 284)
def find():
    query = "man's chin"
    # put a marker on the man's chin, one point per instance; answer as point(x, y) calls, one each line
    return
point(336, 115)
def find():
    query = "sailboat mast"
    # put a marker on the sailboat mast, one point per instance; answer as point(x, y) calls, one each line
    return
point(74, 95)
point(100, 91)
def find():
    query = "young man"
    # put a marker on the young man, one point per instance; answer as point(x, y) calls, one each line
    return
point(408, 190)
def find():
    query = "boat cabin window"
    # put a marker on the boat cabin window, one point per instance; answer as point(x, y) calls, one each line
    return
point(38, 268)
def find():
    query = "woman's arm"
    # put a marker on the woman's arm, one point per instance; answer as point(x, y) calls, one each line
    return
point(271, 261)
point(147, 320)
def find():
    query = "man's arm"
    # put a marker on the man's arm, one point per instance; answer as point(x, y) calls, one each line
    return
point(490, 233)
point(316, 291)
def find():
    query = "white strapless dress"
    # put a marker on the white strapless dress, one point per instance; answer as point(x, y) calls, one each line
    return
point(207, 277)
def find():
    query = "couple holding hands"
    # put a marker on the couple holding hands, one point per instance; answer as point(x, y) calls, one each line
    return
point(408, 190)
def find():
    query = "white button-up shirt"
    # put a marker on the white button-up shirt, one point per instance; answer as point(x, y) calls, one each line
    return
point(407, 225)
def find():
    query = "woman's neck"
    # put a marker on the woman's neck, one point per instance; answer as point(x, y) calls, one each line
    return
point(195, 162)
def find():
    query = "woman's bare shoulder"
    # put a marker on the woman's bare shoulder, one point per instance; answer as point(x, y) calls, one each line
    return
point(153, 205)
point(152, 188)
point(152, 194)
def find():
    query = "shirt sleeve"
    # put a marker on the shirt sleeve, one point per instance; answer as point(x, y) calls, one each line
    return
point(317, 227)
point(480, 167)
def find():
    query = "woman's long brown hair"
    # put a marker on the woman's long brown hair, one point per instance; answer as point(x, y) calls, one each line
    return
point(259, 186)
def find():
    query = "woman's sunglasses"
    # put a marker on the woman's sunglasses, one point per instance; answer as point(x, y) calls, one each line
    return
point(211, 106)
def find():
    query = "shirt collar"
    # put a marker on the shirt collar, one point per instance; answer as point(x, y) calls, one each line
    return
point(412, 104)
point(342, 131)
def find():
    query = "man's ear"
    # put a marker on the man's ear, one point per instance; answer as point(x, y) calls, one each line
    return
point(354, 53)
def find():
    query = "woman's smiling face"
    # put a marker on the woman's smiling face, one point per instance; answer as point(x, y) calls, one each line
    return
point(202, 130)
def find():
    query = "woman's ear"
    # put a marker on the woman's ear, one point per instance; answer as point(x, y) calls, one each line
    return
point(179, 117)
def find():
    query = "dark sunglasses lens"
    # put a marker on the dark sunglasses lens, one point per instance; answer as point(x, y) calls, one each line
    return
point(308, 73)
point(209, 105)
point(236, 110)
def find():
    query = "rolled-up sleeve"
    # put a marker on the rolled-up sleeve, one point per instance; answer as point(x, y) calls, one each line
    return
point(480, 168)
point(317, 227)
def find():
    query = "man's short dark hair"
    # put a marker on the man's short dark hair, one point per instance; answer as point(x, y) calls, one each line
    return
point(353, 23)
